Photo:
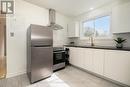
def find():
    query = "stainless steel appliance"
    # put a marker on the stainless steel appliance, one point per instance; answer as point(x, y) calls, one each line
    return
point(58, 58)
point(52, 20)
point(39, 52)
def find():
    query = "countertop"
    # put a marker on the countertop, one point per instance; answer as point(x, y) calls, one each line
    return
point(101, 47)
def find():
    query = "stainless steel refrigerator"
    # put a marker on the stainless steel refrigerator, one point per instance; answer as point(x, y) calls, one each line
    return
point(39, 52)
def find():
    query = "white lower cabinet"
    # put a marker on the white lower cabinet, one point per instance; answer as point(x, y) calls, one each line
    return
point(117, 66)
point(98, 61)
point(73, 53)
point(113, 64)
point(88, 59)
point(76, 57)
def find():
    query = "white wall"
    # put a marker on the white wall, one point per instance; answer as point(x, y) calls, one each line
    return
point(106, 9)
point(26, 14)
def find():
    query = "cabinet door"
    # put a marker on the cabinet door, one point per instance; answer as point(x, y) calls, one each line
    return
point(121, 18)
point(98, 61)
point(88, 59)
point(80, 57)
point(72, 54)
point(73, 29)
point(76, 56)
point(117, 66)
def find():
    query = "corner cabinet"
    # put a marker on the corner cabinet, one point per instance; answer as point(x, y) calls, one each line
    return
point(73, 29)
point(112, 64)
point(121, 18)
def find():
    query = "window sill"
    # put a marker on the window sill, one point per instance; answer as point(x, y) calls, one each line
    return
point(96, 38)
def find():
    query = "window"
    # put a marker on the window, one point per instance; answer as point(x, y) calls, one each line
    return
point(98, 27)
point(88, 28)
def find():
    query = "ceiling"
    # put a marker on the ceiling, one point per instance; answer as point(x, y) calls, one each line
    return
point(70, 7)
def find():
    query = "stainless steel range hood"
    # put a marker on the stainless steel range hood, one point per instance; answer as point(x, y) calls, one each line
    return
point(52, 20)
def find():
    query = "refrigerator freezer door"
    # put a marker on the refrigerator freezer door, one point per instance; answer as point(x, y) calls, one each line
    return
point(41, 63)
point(41, 35)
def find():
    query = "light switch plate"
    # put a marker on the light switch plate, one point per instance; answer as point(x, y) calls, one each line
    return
point(11, 34)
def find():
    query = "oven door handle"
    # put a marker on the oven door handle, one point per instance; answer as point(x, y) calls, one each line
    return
point(59, 52)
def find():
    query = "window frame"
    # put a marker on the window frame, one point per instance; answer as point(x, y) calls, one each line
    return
point(94, 18)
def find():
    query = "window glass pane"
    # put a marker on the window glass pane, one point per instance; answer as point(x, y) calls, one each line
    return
point(88, 28)
point(102, 26)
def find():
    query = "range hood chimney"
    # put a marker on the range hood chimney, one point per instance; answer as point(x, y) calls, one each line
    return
point(52, 20)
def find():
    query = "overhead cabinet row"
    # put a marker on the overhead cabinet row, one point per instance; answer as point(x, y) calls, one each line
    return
point(112, 64)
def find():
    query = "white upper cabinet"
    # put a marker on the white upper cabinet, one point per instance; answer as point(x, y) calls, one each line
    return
point(121, 18)
point(73, 29)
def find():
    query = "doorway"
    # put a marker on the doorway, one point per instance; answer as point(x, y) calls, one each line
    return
point(2, 46)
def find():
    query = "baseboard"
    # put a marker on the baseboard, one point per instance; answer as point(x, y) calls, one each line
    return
point(9, 75)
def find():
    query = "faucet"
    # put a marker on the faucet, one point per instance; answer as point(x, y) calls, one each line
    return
point(91, 40)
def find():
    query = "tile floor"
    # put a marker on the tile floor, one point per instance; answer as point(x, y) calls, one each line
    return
point(68, 77)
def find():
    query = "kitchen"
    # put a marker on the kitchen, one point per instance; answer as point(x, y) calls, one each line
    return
point(98, 60)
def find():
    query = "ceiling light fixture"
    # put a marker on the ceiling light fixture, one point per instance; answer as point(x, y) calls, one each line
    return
point(91, 8)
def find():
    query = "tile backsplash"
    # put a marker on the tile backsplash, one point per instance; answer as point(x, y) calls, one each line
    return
point(103, 42)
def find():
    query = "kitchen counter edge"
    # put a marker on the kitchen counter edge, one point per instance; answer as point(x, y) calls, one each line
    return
point(101, 47)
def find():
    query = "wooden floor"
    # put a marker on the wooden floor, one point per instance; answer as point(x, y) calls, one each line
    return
point(69, 77)
point(2, 67)
point(2, 73)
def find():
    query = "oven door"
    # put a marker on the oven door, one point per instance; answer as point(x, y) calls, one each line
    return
point(59, 57)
